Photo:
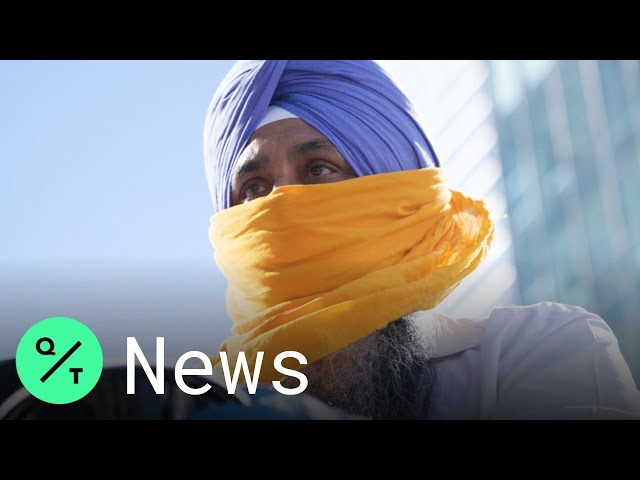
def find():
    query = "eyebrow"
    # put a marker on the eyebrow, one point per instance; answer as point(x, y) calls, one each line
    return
point(320, 143)
point(261, 161)
point(252, 165)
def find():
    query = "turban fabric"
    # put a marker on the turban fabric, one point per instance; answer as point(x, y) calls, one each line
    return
point(354, 103)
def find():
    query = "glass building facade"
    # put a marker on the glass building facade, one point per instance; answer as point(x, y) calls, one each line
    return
point(569, 145)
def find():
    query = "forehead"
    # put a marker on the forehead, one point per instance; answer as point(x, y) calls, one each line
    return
point(290, 130)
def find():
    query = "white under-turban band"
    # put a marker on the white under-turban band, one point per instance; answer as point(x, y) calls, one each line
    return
point(275, 113)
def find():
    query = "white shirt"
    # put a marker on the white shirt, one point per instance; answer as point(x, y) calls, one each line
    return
point(541, 361)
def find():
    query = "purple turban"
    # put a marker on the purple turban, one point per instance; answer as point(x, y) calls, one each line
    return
point(354, 103)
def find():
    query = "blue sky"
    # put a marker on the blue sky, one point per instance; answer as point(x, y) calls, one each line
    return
point(104, 204)
point(102, 160)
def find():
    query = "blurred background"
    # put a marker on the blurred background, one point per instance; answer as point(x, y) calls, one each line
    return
point(105, 208)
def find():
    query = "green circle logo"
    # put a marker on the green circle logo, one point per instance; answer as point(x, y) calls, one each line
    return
point(59, 360)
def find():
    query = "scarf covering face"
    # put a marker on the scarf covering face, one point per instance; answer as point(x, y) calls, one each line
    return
point(354, 103)
point(313, 268)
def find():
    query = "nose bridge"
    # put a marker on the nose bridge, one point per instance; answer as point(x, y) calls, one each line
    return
point(285, 179)
point(284, 170)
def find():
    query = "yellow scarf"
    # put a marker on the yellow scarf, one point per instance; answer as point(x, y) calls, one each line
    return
point(313, 268)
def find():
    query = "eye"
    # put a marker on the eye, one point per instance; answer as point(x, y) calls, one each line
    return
point(253, 189)
point(320, 169)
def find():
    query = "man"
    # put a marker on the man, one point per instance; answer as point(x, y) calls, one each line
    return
point(338, 235)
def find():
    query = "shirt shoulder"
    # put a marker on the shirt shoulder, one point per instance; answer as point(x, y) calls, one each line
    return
point(556, 361)
point(546, 360)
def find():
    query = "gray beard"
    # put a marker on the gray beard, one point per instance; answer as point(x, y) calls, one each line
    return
point(386, 375)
